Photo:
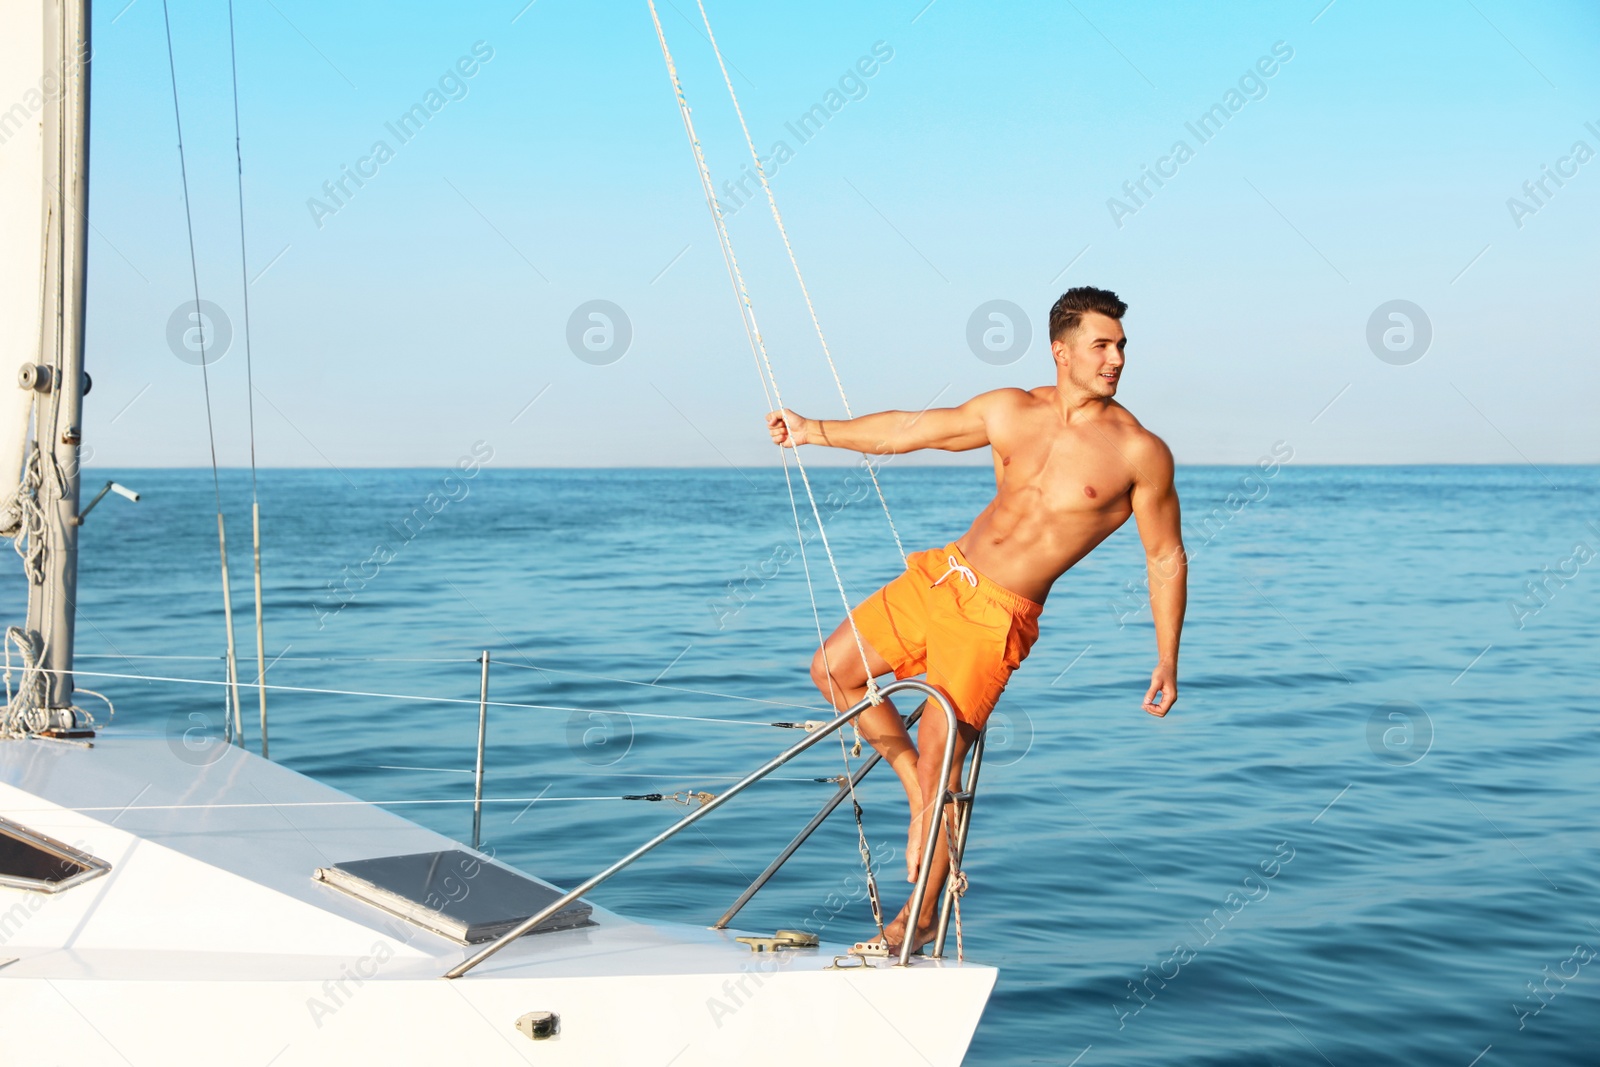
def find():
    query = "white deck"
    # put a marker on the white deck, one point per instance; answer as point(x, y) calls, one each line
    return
point(209, 942)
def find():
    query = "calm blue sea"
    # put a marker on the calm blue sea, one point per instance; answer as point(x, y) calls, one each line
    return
point(1366, 835)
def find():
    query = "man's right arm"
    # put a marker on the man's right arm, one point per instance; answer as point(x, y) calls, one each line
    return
point(956, 429)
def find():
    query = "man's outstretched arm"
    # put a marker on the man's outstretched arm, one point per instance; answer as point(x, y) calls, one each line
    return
point(955, 429)
point(1155, 509)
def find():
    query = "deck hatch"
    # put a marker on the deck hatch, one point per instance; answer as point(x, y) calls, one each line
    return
point(35, 861)
point(452, 893)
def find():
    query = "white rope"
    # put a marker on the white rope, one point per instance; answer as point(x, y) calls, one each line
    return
point(805, 291)
point(27, 712)
point(956, 568)
point(769, 376)
point(956, 882)
point(862, 847)
point(29, 540)
point(758, 345)
point(111, 709)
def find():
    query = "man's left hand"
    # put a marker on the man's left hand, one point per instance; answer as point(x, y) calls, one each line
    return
point(1163, 691)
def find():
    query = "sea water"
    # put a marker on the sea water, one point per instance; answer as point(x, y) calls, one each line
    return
point(1365, 835)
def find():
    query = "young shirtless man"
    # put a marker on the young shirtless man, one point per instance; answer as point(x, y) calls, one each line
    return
point(1071, 465)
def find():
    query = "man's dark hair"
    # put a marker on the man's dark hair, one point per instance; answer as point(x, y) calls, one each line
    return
point(1069, 310)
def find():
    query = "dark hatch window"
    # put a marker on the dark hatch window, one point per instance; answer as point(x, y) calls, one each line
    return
point(31, 860)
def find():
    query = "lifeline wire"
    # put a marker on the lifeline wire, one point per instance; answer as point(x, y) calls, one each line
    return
point(424, 699)
point(499, 663)
point(541, 799)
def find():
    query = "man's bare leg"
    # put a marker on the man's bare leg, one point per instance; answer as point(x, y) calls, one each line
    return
point(839, 674)
point(931, 735)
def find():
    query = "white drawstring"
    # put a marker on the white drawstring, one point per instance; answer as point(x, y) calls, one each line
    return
point(956, 568)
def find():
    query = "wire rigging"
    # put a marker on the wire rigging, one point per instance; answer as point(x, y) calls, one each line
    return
point(474, 660)
point(425, 699)
point(250, 386)
point(769, 381)
point(769, 385)
point(805, 291)
point(205, 380)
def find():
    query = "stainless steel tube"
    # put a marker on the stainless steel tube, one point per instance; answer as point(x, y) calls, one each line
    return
point(800, 838)
point(483, 730)
point(963, 825)
point(935, 824)
point(734, 790)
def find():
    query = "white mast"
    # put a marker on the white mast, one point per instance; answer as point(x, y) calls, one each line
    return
point(44, 160)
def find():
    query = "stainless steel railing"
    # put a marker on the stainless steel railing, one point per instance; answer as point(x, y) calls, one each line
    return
point(962, 823)
point(918, 893)
point(799, 839)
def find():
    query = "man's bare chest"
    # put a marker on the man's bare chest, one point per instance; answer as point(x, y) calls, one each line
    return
point(1078, 470)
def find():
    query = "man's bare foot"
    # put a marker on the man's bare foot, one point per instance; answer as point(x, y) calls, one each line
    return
point(895, 934)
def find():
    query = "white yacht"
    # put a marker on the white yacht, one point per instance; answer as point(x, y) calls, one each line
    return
point(170, 903)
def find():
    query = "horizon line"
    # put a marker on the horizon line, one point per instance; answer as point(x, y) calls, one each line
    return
point(775, 467)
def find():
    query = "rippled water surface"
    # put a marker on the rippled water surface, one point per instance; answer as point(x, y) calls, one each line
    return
point(1366, 835)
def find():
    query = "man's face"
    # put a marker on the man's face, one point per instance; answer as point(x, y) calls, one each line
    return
point(1092, 354)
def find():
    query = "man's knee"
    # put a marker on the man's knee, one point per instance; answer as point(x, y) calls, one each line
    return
point(819, 670)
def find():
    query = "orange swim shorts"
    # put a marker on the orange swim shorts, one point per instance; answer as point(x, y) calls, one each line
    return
point(943, 618)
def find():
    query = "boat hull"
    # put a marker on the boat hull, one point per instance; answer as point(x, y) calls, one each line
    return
point(208, 941)
point(894, 1015)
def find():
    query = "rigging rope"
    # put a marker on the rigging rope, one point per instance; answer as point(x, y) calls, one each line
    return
point(27, 711)
point(250, 387)
point(236, 724)
point(956, 879)
point(862, 847)
point(22, 515)
point(769, 382)
point(805, 291)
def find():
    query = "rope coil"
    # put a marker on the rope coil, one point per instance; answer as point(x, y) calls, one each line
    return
point(27, 712)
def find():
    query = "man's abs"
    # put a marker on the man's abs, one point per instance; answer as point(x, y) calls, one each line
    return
point(1045, 518)
point(1027, 556)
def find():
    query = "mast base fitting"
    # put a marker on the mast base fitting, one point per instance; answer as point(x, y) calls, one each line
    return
point(69, 733)
point(64, 725)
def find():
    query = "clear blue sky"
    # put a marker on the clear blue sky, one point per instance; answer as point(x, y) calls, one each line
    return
point(976, 164)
